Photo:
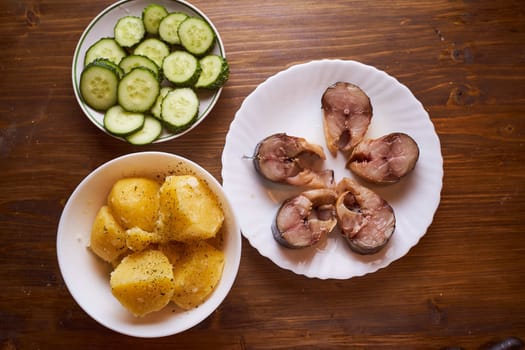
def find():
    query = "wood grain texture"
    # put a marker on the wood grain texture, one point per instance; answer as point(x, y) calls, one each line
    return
point(463, 285)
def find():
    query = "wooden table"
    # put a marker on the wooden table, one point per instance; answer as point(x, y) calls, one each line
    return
point(462, 285)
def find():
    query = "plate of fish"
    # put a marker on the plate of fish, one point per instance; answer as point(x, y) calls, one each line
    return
point(334, 169)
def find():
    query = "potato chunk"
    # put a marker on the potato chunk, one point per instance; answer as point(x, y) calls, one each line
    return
point(134, 202)
point(188, 209)
point(143, 282)
point(196, 273)
point(108, 238)
point(173, 250)
point(138, 239)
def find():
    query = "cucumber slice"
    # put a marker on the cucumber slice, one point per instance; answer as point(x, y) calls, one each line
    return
point(103, 62)
point(104, 48)
point(138, 90)
point(149, 132)
point(134, 61)
point(151, 16)
point(169, 26)
point(120, 122)
point(179, 109)
point(181, 68)
point(196, 35)
point(129, 31)
point(155, 110)
point(154, 49)
point(215, 72)
point(98, 86)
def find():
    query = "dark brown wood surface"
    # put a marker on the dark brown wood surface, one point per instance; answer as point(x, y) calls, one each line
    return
point(463, 285)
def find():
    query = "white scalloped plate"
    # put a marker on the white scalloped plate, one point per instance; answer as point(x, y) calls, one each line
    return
point(102, 26)
point(290, 102)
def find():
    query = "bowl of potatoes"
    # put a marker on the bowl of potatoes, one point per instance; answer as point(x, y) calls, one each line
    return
point(148, 244)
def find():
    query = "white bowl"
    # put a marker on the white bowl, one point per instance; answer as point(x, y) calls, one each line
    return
point(87, 276)
point(102, 26)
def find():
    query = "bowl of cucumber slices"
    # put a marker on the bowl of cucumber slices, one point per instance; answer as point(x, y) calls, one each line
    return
point(148, 72)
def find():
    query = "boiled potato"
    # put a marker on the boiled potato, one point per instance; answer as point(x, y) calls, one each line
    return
point(134, 202)
point(138, 239)
point(196, 273)
point(143, 282)
point(188, 209)
point(108, 238)
point(173, 250)
point(158, 236)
